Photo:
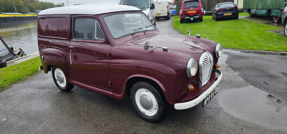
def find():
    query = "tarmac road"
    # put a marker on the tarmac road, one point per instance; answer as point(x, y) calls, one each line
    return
point(244, 103)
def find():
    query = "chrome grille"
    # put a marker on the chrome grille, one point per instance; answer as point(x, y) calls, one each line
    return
point(205, 67)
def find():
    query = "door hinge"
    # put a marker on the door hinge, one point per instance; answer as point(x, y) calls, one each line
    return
point(110, 83)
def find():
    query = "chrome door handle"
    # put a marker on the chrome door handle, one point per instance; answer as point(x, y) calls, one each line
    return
point(72, 47)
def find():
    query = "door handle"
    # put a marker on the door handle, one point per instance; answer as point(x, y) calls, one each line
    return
point(71, 47)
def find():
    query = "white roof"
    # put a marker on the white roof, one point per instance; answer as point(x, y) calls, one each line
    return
point(88, 9)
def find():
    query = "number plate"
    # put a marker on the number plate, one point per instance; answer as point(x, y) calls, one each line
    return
point(157, 15)
point(193, 11)
point(227, 14)
point(210, 96)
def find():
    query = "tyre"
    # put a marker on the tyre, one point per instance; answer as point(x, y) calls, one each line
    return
point(200, 19)
point(181, 20)
point(3, 64)
point(216, 19)
point(168, 16)
point(154, 22)
point(285, 28)
point(147, 102)
point(60, 80)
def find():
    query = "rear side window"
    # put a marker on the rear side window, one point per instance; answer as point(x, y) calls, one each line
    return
point(57, 27)
point(194, 4)
point(225, 5)
point(88, 29)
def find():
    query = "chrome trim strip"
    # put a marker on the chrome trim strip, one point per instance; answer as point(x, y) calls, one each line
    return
point(200, 98)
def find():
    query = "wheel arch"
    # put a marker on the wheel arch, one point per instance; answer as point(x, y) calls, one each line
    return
point(157, 84)
point(54, 58)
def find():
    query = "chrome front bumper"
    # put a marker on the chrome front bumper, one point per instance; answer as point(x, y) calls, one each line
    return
point(200, 98)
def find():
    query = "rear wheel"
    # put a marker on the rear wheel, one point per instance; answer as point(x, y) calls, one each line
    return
point(3, 64)
point(237, 17)
point(200, 19)
point(147, 102)
point(168, 16)
point(216, 19)
point(60, 80)
point(285, 28)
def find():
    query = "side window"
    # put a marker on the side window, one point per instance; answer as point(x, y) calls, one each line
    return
point(88, 29)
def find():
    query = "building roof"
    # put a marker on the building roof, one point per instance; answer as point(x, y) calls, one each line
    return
point(88, 9)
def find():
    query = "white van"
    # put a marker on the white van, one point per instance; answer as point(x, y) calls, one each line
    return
point(147, 6)
point(162, 10)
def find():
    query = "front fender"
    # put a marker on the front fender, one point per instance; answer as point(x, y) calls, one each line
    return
point(124, 70)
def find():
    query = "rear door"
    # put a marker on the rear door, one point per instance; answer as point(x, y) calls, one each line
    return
point(89, 55)
point(161, 9)
point(191, 8)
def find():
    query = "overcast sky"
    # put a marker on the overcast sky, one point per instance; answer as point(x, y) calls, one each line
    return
point(72, 2)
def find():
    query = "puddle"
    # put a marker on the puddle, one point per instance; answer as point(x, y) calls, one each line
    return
point(256, 106)
point(223, 58)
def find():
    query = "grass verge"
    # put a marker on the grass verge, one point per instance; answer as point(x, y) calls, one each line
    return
point(18, 72)
point(235, 34)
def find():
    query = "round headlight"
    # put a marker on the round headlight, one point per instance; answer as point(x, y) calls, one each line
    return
point(218, 50)
point(191, 68)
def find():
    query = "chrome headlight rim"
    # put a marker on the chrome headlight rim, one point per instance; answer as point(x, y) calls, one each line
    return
point(191, 68)
point(218, 50)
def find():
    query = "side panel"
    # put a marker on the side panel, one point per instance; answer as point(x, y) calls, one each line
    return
point(54, 40)
point(263, 4)
point(167, 70)
point(55, 57)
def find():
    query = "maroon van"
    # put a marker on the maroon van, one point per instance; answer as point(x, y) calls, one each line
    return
point(115, 50)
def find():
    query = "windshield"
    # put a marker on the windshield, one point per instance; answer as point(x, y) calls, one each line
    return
point(194, 4)
point(141, 4)
point(123, 24)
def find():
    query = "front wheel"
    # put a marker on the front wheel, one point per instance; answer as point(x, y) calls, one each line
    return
point(60, 80)
point(181, 20)
point(285, 28)
point(147, 102)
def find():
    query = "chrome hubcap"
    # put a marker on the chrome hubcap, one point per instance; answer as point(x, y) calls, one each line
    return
point(60, 77)
point(146, 102)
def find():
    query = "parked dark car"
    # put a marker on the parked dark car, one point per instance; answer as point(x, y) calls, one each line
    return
point(225, 10)
point(284, 19)
point(190, 10)
point(116, 51)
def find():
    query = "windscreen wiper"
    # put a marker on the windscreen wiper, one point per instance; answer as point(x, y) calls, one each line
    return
point(135, 30)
